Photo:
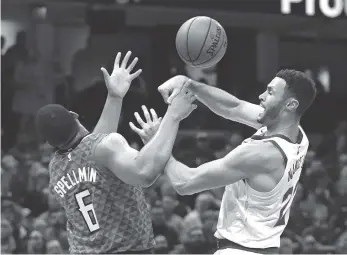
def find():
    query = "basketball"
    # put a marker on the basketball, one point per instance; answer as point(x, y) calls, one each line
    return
point(201, 42)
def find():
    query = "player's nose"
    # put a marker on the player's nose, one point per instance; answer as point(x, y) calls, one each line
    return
point(261, 97)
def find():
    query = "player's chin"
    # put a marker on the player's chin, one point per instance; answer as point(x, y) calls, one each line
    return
point(260, 118)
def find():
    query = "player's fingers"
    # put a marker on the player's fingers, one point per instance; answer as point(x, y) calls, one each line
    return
point(154, 115)
point(136, 74)
point(192, 98)
point(125, 60)
point(105, 73)
point(174, 93)
point(132, 64)
point(117, 60)
point(192, 108)
point(134, 128)
point(164, 93)
point(188, 93)
point(186, 83)
point(139, 119)
point(146, 113)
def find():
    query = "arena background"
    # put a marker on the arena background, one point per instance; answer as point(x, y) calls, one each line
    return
point(52, 51)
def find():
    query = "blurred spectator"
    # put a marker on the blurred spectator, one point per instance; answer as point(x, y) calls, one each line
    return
point(36, 197)
point(9, 167)
point(174, 221)
point(198, 154)
point(40, 225)
point(342, 160)
point(209, 221)
point(46, 152)
point(310, 156)
point(310, 245)
point(9, 63)
point(299, 218)
point(160, 227)
point(180, 208)
point(33, 90)
point(341, 244)
point(161, 245)
point(320, 228)
point(65, 92)
point(8, 243)
point(332, 146)
point(203, 202)
point(13, 213)
point(194, 241)
point(54, 247)
point(234, 141)
point(286, 246)
point(36, 243)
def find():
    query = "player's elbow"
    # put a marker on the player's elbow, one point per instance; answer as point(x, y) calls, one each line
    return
point(147, 177)
point(151, 169)
point(182, 189)
point(147, 181)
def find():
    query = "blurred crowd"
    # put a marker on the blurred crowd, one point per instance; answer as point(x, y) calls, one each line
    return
point(33, 222)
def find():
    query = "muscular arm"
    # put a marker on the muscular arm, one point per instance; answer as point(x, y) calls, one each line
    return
point(243, 162)
point(109, 119)
point(139, 168)
point(226, 105)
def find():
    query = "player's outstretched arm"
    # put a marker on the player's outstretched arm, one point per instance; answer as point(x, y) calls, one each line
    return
point(117, 84)
point(217, 100)
point(144, 167)
point(243, 162)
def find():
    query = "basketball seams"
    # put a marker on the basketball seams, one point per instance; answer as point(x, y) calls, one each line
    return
point(181, 55)
point(224, 37)
point(190, 25)
point(202, 46)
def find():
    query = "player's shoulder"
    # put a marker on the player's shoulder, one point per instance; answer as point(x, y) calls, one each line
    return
point(262, 155)
point(111, 140)
point(109, 144)
point(261, 149)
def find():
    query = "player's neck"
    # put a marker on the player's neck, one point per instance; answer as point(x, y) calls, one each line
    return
point(288, 128)
point(81, 133)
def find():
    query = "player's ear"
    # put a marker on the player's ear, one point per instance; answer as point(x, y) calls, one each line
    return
point(75, 115)
point(292, 104)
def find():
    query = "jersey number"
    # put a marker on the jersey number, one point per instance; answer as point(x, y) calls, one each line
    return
point(285, 207)
point(86, 209)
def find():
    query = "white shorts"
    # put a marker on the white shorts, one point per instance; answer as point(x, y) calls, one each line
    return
point(232, 251)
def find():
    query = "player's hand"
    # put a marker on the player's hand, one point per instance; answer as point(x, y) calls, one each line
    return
point(149, 128)
point(119, 81)
point(182, 104)
point(172, 87)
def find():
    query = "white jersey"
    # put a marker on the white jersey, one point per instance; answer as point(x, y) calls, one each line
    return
point(257, 219)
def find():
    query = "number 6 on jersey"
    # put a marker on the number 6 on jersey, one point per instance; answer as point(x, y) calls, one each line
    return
point(85, 209)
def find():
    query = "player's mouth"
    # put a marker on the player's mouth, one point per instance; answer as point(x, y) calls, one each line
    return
point(262, 106)
point(262, 112)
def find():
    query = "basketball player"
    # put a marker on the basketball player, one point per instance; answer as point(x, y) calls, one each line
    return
point(98, 177)
point(261, 175)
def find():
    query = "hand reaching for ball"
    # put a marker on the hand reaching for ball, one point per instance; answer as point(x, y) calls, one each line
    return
point(119, 81)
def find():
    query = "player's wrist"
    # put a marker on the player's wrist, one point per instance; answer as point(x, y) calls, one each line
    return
point(172, 114)
point(194, 86)
point(114, 96)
